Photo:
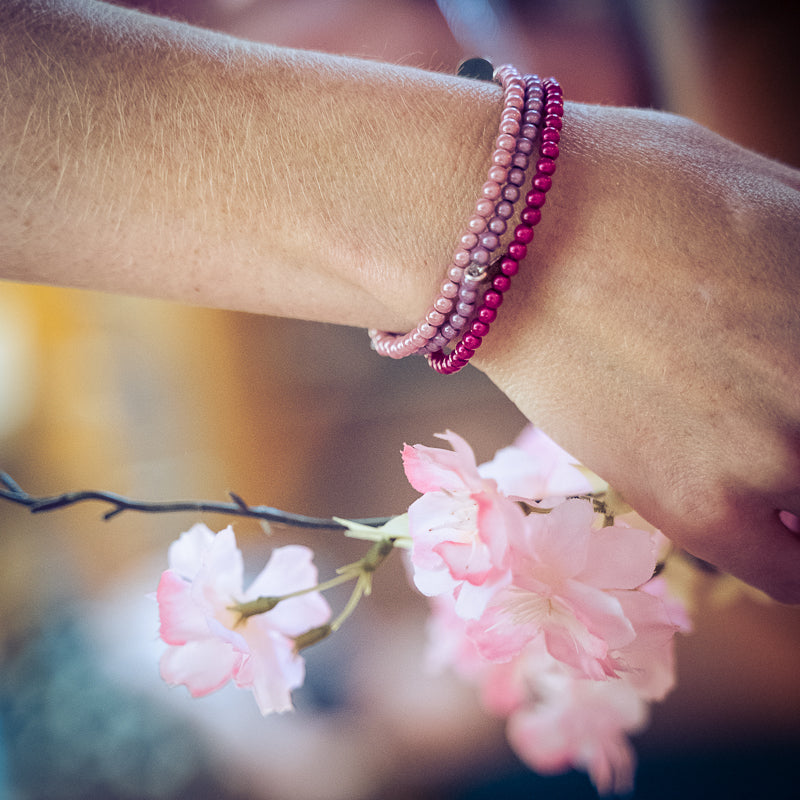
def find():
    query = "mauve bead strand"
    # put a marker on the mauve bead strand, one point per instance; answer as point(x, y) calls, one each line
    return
point(470, 249)
point(490, 240)
point(459, 356)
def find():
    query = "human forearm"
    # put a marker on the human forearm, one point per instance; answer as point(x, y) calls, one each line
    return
point(148, 157)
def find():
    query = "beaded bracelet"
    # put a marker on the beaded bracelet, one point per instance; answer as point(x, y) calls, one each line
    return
point(451, 320)
point(478, 241)
point(457, 358)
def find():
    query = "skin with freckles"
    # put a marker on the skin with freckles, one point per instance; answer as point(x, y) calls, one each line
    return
point(653, 329)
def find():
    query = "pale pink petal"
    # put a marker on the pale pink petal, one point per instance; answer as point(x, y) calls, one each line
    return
point(472, 599)
point(557, 541)
point(185, 554)
point(434, 582)
point(600, 612)
point(289, 568)
point(300, 614)
point(619, 558)
point(219, 579)
point(272, 670)
point(202, 666)
point(535, 467)
point(181, 618)
point(465, 561)
point(431, 469)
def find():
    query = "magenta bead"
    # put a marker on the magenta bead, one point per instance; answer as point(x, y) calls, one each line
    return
point(550, 135)
point(471, 341)
point(509, 266)
point(546, 166)
point(523, 234)
point(542, 182)
point(479, 328)
point(553, 121)
point(531, 216)
point(493, 299)
point(501, 283)
point(487, 315)
point(535, 198)
point(517, 250)
point(549, 149)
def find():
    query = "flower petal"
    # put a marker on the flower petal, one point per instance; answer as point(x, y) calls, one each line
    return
point(201, 666)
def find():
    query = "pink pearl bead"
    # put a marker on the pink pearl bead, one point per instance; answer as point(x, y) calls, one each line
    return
point(449, 289)
point(507, 142)
point(497, 174)
point(443, 304)
point(477, 224)
point(462, 257)
point(427, 330)
point(456, 274)
point(509, 126)
point(435, 317)
point(501, 157)
point(484, 208)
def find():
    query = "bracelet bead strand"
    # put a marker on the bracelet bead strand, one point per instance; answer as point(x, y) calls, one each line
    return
point(476, 242)
point(457, 358)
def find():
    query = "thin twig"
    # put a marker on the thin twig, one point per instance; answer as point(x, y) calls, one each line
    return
point(14, 493)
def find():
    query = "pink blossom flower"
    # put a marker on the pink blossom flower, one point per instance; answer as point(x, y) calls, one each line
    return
point(566, 582)
point(534, 468)
point(459, 527)
point(208, 644)
point(576, 723)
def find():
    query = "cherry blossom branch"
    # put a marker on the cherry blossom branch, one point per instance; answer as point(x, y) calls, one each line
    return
point(10, 490)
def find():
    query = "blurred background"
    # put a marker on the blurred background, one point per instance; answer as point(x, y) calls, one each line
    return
point(159, 401)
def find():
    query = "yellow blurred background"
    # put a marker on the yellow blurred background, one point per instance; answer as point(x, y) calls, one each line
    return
point(159, 401)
